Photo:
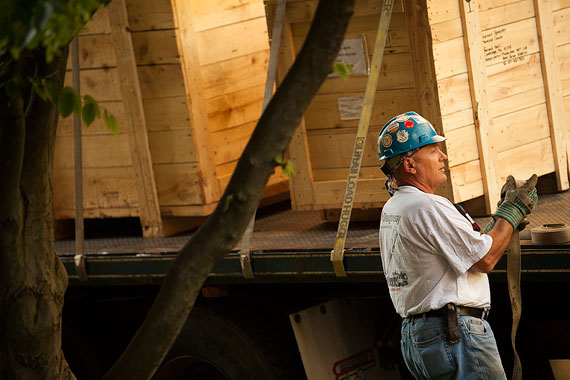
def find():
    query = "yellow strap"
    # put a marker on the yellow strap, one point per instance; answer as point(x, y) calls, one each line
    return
point(514, 282)
point(338, 252)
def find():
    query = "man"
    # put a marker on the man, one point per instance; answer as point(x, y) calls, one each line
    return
point(435, 264)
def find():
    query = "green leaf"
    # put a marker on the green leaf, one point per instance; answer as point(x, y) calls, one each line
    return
point(111, 122)
point(349, 68)
point(89, 113)
point(67, 100)
point(91, 110)
point(340, 69)
point(279, 159)
point(289, 168)
point(227, 202)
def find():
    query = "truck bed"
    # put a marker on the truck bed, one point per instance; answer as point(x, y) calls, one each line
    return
point(292, 245)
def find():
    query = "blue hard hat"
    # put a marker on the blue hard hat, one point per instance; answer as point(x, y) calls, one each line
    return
point(405, 132)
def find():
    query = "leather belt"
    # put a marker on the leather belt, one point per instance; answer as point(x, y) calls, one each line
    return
point(463, 310)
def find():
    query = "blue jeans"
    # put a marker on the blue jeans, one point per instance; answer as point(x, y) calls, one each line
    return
point(429, 356)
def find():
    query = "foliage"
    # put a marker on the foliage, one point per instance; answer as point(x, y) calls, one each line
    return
point(342, 69)
point(49, 24)
point(286, 165)
point(27, 26)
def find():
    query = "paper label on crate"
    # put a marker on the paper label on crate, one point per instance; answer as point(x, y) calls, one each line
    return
point(354, 52)
point(350, 107)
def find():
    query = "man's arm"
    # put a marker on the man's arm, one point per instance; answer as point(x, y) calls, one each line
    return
point(501, 234)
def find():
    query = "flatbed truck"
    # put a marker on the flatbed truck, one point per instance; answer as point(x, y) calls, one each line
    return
point(252, 328)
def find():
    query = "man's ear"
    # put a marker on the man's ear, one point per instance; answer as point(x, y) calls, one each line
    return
point(409, 165)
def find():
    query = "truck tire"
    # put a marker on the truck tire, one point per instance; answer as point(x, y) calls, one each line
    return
point(213, 347)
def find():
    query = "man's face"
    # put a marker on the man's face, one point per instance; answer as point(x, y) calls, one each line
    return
point(429, 165)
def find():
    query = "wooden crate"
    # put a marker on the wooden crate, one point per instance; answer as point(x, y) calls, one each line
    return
point(493, 76)
point(185, 79)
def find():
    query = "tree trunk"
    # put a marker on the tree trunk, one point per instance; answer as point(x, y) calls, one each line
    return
point(32, 279)
point(223, 229)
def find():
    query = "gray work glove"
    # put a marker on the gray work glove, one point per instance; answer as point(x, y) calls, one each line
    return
point(518, 200)
point(524, 192)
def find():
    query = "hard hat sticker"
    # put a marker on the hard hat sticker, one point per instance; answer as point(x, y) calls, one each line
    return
point(392, 128)
point(402, 118)
point(402, 136)
point(409, 124)
point(387, 141)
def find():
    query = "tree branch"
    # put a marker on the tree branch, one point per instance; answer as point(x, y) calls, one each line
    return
point(225, 226)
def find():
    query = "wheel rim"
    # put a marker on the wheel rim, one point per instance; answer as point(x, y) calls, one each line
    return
point(190, 367)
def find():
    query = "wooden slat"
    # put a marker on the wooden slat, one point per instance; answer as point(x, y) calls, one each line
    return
point(425, 79)
point(228, 144)
point(453, 94)
point(517, 102)
point(467, 181)
point(236, 108)
point(395, 74)
point(330, 150)
point(336, 174)
point(131, 94)
point(193, 85)
point(105, 188)
point(99, 151)
point(462, 145)
point(323, 111)
point(562, 26)
point(509, 80)
point(525, 160)
point(160, 81)
point(553, 90)
point(506, 14)
point(171, 146)
point(370, 193)
point(447, 30)
point(560, 4)
point(480, 103)
point(213, 14)
point(442, 10)
point(246, 37)
point(304, 11)
point(457, 120)
point(301, 188)
point(178, 184)
point(521, 128)
point(449, 58)
point(396, 41)
point(150, 15)
point(151, 47)
point(167, 114)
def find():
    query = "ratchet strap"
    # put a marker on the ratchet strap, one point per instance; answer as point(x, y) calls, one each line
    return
point(337, 253)
point(245, 252)
point(514, 283)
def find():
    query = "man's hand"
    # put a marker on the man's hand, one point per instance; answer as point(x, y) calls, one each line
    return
point(517, 201)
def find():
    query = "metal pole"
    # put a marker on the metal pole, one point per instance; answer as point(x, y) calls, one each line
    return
point(79, 258)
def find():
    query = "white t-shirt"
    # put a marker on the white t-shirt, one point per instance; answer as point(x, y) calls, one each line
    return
point(427, 248)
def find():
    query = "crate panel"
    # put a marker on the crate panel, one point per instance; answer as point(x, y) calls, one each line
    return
point(99, 151)
point(103, 188)
point(323, 112)
point(236, 108)
point(178, 184)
